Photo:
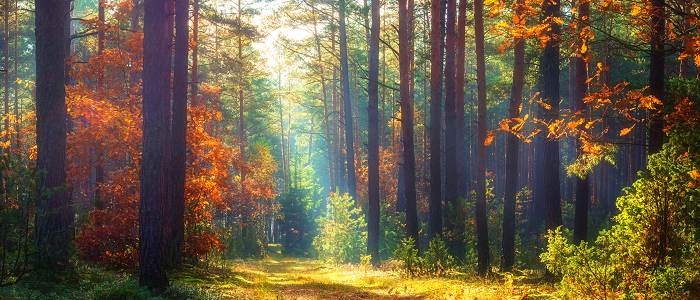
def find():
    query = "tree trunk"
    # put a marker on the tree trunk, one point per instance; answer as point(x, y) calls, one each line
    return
point(194, 89)
point(481, 220)
point(582, 193)
point(350, 150)
point(373, 139)
point(549, 63)
point(179, 131)
point(513, 150)
point(656, 74)
point(153, 193)
point(405, 59)
point(452, 180)
point(54, 214)
point(437, 32)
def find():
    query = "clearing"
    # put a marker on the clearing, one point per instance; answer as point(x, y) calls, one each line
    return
point(280, 277)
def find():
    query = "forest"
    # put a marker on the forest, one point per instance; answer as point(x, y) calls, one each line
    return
point(338, 149)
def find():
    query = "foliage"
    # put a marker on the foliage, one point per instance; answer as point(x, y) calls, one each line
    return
point(407, 253)
point(652, 249)
point(343, 233)
point(16, 211)
point(437, 259)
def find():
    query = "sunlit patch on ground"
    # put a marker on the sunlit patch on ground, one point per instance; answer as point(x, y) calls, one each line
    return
point(281, 277)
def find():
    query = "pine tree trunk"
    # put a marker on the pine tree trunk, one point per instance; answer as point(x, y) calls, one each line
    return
point(54, 214)
point(179, 131)
point(481, 221)
point(405, 60)
point(437, 32)
point(550, 95)
point(349, 138)
point(513, 150)
point(373, 139)
point(656, 74)
point(152, 270)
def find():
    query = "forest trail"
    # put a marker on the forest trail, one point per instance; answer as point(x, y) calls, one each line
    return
point(282, 277)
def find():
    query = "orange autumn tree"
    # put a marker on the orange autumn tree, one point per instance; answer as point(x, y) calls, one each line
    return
point(107, 134)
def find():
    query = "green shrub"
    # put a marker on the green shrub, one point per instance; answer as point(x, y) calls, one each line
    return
point(120, 288)
point(652, 250)
point(343, 234)
point(411, 265)
point(437, 260)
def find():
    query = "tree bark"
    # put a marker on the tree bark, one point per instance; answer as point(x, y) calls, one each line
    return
point(481, 220)
point(451, 169)
point(373, 138)
point(154, 195)
point(656, 74)
point(179, 131)
point(405, 59)
point(437, 33)
point(549, 72)
point(582, 192)
point(350, 150)
point(513, 150)
point(54, 214)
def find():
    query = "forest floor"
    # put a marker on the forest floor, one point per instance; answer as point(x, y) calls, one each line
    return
point(280, 277)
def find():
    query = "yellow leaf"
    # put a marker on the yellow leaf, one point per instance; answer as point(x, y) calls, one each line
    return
point(489, 2)
point(584, 48)
point(626, 130)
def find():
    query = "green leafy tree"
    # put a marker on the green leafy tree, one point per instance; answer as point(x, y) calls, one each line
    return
point(343, 233)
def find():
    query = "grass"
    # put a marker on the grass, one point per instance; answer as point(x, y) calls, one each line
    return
point(280, 277)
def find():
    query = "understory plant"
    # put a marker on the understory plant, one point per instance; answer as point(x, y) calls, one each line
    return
point(343, 233)
point(651, 251)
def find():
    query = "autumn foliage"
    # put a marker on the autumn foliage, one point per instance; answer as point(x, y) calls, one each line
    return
point(107, 135)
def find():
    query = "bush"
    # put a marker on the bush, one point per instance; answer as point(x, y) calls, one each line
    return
point(437, 260)
point(343, 234)
point(411, 265)
point(651, 251)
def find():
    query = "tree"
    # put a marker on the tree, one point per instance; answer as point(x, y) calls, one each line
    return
point(480, 211)
point(179, 131)
point(581, 213)
point(405, 64)
point(437, 31)
point(54, 214)
point(513, 147)
point(373, 138)
point(350, 150)
point(153, 191)
point(657, 73)
point(549, 77)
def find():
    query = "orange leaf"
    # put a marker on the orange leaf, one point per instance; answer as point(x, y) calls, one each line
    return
point(489, 139)
point(626, 130)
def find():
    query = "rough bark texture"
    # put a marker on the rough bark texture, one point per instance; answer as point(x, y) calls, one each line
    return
point(656, 74)
point(481, 221)
point(451, 182)
point(373, 138)
point(549, 74)
point(54, 214)
point(437, 32)
point(581, 213)
point(153, 193)
point(409, 163)
point(179, 131)
point(350, 150)
point(512, 152)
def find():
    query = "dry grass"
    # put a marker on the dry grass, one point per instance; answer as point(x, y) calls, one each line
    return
point(297, 278)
